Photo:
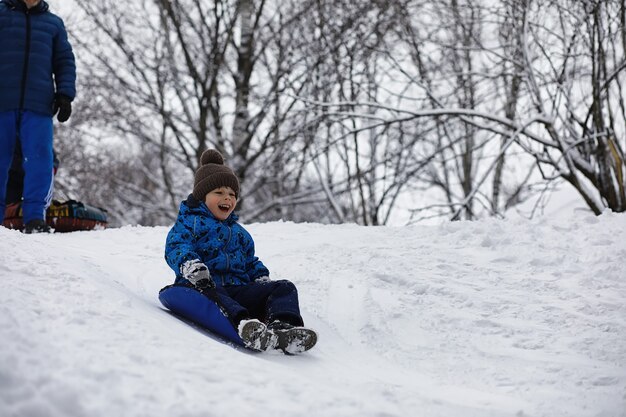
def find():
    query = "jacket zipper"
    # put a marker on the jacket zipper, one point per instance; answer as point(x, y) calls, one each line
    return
point(18, 131)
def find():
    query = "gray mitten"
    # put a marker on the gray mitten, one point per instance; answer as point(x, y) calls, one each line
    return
point(197, 273)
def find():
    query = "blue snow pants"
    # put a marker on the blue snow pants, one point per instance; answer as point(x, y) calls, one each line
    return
point(266, 301)
point(35, 133)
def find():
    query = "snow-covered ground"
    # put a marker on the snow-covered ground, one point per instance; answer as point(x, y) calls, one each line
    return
point(488, 318)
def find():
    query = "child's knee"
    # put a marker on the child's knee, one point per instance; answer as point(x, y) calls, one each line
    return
point(286, 286)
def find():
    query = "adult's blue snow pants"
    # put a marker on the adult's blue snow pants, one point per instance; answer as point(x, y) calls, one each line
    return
point(35, 134)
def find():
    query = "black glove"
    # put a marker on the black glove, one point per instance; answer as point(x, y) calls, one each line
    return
point(197, 273)
point(63, 105)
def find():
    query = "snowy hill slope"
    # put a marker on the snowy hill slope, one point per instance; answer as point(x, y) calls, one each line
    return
point(489, 318)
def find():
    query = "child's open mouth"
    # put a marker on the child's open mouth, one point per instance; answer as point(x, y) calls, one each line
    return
point(224, 207)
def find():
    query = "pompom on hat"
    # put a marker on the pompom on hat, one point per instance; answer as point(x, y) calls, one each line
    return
point(213, 174)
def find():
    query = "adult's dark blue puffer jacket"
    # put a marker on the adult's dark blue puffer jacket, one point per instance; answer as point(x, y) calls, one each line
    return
point(36, 59)
point(225, 247)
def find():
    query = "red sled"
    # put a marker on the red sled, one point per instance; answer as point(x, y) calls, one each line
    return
point(66, 216)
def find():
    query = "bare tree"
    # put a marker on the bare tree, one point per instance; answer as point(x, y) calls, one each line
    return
point(575, 65)
point(337, 110)
point(561, 101)
point(174, 75)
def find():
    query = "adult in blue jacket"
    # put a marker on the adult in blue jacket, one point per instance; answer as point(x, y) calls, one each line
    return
point(37, 81)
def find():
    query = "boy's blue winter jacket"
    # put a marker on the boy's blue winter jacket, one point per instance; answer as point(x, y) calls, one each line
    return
point(34, 56)
point(225, 247)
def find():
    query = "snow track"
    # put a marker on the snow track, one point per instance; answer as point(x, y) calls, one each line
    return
point(489, 318)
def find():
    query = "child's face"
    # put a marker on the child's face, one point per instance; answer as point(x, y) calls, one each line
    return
point(221, 202)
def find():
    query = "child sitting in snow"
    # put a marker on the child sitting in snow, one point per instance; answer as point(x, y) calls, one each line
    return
point(210, 251)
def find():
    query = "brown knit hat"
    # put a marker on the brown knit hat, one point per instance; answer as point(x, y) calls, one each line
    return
point(213, 174)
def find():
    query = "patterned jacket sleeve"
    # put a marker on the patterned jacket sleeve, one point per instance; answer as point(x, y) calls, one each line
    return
point(180, 246)
point(254, 267)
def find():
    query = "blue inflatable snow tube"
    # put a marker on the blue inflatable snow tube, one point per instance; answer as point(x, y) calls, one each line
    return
point(193, 305)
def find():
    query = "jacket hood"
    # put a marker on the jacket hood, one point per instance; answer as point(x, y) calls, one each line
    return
point(42, 7)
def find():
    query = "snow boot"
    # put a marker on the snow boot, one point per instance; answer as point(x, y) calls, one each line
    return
point(37, 226)
point(255, 335)
point(292, 339)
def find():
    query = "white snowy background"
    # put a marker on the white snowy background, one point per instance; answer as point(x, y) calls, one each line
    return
point(490, 318)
